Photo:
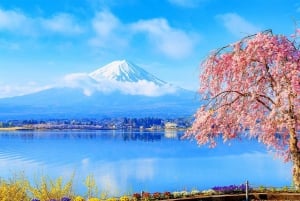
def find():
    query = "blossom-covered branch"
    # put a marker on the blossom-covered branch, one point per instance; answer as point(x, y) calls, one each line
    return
point(252, 88)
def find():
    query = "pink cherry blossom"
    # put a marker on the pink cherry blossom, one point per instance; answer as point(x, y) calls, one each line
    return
point(252, 89)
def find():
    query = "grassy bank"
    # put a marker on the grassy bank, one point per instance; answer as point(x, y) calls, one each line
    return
point(19, 188)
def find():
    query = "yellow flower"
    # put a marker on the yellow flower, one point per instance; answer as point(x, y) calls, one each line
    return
point(112, 199)
point(79, 198)
point(94, 199)
point(124, 198)
point(13, 190)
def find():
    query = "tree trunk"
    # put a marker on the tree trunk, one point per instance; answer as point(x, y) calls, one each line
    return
point(295, 156)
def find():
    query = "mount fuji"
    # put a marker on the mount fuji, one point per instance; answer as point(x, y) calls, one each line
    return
point(117, 89)
point(122, 76)
point(124, 71)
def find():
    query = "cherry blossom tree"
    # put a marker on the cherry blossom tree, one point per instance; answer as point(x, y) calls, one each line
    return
point(252, 89)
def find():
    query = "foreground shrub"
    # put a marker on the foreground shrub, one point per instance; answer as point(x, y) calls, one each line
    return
point(124, 198)
point(79, 198)
point(136, 196)
point(92, 189)
point(167, 195)
point(230, 189)
point(195, 192)
point(176, 194)
point(146, 196)
point(209, 192)
point(156, 195)
point(65, 199)
point(94, 199)
point(55, 190)
point(112, 199)
point(14, 190)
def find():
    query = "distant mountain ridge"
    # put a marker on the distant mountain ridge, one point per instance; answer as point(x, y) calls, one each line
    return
point(118, 89)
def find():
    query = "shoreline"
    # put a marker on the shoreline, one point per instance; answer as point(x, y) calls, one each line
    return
point(83, 129)
point(16, 129)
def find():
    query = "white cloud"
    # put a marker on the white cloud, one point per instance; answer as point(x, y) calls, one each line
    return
point(237, 25)
point(105, 23)
point(19, 90)
point(17, 22)
point(143, 87)
point(172, 42)
point(82, 81)
point(90, 86)
point(11, 20)
point(109, 31)
point(112, 33)
point(185, 3)
point(61, 23)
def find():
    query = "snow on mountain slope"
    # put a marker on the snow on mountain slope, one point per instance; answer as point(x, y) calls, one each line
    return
point(124, 71)
point(122, 76)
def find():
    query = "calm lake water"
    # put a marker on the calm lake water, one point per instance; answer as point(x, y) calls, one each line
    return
point(128, 162)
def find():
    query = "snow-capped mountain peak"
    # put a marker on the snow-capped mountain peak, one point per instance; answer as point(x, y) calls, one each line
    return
point(122, 76)
point(125, 71)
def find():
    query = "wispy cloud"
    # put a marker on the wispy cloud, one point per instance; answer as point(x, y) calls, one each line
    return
point(237, 25)
point(61, 23)
point(16, 22)
point(170, 41)
point(105, 23)
point(109, 31)
point(185, 3)
point(19, 90)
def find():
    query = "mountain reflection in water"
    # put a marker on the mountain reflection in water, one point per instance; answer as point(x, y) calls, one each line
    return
point(125, 135)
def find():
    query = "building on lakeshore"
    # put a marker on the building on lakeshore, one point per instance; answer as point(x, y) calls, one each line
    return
point(170, 125)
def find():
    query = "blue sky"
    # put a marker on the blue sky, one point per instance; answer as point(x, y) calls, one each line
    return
point(41, 41)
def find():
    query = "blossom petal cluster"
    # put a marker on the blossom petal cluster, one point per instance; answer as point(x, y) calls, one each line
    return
point(251, 88)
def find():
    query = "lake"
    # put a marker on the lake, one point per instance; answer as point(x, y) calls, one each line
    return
point(128, 162)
